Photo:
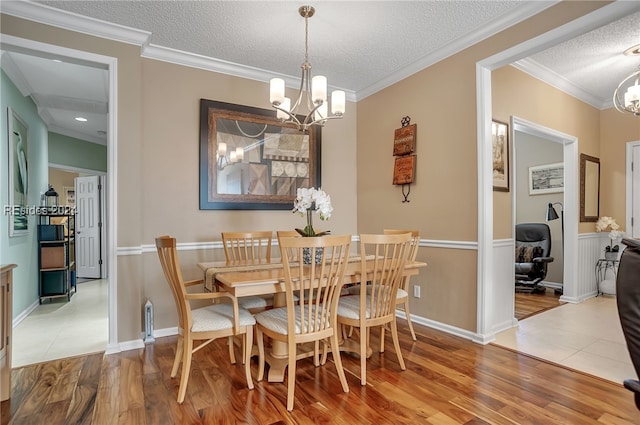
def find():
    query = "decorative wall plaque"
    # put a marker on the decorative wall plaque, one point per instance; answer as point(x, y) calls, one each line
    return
point(404, 141)
point(404, 169)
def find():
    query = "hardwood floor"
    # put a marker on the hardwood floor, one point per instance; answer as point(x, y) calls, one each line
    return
point(448, 380)
point(528, 304)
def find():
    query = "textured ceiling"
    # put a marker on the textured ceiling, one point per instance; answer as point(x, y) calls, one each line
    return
point(354, 43)
point(361, 46)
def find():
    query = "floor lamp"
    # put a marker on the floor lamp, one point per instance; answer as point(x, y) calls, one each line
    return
point(552, 214)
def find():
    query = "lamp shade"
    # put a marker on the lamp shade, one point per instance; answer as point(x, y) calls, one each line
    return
point(551, 213)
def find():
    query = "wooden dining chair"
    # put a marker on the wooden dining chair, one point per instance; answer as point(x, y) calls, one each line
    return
point(312, 317)
point(403, 291)
point(252, 247)
point(205, 323)
point(376, 306)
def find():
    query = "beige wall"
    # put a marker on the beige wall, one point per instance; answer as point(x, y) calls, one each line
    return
point(444, 197)
point(157, 154)
point(616, 129)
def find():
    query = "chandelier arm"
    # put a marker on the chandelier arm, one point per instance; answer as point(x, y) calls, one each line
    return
point(304, 80)
point(619, 103)
point(313, 107)
point(292, 118)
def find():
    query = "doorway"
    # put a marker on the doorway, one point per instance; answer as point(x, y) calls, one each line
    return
point(91, 60)
point(531, 152)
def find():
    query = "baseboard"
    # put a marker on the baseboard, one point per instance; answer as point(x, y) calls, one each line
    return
point(452, 330)
point(23, 315)
point(159, 333)
point(124, 346)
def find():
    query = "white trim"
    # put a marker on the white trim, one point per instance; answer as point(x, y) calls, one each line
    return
point(193, 60)
point(549, 77)
point(458, 45)
point(23, 315)
point(124, 346)
point(160, 333)
point(570, 201)
point(194, 246)
point(452, 330)
point(26, 46)
point(579, 26)
point(95, 27)
point(629, 187)
point(72, 21)
point(77, 169)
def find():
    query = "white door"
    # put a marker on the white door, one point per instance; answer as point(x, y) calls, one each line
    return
point(88, 227)
point(635, 193)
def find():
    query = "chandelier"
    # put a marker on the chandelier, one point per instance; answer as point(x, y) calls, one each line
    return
point(630, 102)
point(313, 90)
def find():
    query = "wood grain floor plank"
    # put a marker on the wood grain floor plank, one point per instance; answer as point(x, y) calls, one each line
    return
point(448, 381)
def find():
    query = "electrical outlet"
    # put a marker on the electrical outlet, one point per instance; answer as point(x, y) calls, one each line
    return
point(416, 291)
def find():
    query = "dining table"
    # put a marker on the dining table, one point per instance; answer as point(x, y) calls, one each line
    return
point(246, 278)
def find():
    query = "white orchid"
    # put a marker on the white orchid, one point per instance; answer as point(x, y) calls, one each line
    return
point(608, 223)
point(309, 200)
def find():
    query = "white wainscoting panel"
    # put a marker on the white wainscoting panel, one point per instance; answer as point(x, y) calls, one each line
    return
point(501, 303)
point(590, 249)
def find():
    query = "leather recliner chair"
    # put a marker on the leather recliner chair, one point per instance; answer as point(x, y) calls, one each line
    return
point(628, 300)
point(532, 254)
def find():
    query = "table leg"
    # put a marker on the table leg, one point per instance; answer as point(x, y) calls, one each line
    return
point(277, 358)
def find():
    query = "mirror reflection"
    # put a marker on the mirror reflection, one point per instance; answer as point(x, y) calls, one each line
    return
point(589, 188)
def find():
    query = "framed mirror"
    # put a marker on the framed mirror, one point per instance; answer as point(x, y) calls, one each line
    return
point(589, 188)
point(250, 160)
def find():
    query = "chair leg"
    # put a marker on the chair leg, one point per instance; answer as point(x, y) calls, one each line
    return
point(187, 351)
point(396, 343)
point(291, 375)
point(382, 332)
point(246, 356)
point(260, 338)
point(232, 354)
point(409, 322)
point(335, 349)
point(325, 352)
point(316, 353)
point(363, 356)
point(178, 358)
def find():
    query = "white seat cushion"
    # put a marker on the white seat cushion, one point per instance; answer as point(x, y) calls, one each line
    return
point(219, 316)
point(256, 301)
point(355, 290)
point(349, 307)
point(276, 320)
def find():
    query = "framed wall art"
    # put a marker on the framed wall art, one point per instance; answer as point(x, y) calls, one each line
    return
point(546, 179)
point(500, 143)
point(250, 160)
point(18, 167)
point(69, 195)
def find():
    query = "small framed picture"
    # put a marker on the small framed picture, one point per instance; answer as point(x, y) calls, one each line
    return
point(500, 143)
point(70, 195)
point(547, 178)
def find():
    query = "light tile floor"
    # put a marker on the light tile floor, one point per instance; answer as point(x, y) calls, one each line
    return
point(586, 337)
point(62, 328)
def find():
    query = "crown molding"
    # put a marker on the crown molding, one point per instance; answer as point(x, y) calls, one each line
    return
point(193, 60)
point(458, 45)
point(547, 76)
point(74, 22)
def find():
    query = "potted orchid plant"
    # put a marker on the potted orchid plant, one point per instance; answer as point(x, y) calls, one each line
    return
point(609, 224)
point(309, 200)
